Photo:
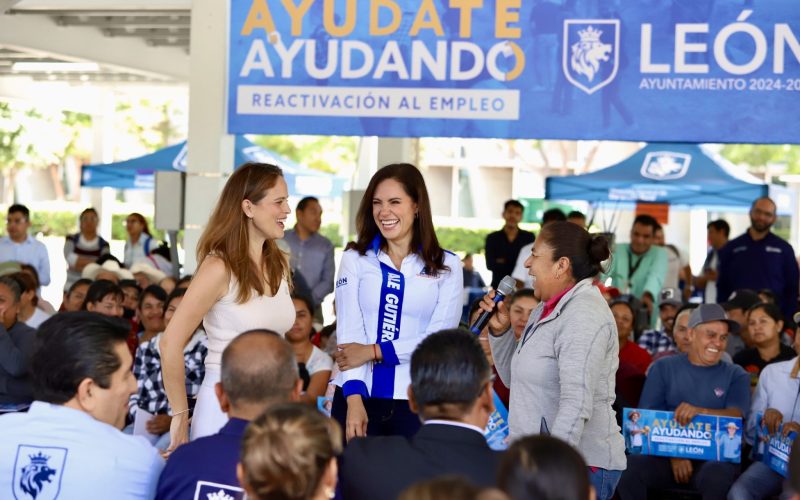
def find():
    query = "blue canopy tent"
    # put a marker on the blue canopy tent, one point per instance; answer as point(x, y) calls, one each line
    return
point(139, 173)
point(678, 174)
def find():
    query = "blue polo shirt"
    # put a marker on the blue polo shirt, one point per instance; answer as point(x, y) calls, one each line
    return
point(204, 466)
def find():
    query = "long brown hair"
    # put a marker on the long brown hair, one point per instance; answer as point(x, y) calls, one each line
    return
point(227, 233)
point(423, 241)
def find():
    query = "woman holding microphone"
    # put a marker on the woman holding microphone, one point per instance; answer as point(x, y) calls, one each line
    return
point(395, 287)
point(561, 372)
point(242, 283)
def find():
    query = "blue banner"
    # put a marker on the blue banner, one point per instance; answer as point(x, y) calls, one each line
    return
point(679, 71)
point(497, 428)
point(707, 437)
point(773, 449)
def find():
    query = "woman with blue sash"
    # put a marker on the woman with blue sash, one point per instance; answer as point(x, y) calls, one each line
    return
point(395, 287)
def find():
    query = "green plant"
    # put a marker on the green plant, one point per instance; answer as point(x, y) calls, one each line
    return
point(54, 223)
point(118, 231)
point(457, 239)
point(331, 231)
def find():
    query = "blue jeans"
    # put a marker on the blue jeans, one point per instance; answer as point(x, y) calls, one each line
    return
point(604, 482)
point(757, 482)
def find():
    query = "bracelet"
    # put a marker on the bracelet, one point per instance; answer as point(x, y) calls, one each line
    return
point(179, 412)
point(375, 352)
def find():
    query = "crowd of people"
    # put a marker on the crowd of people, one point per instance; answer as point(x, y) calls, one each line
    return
point(226, 383)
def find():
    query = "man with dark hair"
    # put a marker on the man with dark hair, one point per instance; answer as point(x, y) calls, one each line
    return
point(451, 391)
point(258, 370)
point(504, 246)
point(577, 217)
point(311, 253)
point(16, 344)
point(69, 444)
point(760, 259)
point(19, 246)
point(640, 267)
point(718, 232)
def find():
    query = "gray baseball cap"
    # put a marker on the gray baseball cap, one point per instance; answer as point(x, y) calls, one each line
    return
point(706, 313)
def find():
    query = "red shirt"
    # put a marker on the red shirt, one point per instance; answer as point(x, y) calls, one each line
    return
point(553, 302)
point(635, 356)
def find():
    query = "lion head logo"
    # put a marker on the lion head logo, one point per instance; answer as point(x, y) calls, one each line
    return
point(589, 52)
point(35, 474)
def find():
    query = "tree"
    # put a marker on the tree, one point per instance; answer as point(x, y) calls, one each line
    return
point(328, 154)
point(759, 156)
point(16, 148)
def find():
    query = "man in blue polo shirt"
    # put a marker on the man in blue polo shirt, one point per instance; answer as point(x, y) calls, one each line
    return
point(258, 370)
point(760, 259)
point(69, 444)
point(691, 384)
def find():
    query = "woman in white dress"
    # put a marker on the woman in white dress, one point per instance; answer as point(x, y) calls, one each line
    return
point(242, 283)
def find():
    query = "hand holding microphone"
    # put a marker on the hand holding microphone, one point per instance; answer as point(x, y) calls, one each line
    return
point(495, 313)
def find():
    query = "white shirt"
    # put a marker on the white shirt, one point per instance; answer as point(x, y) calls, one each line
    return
point(429, 304)
point(37, 318)
point(520, 273)
point(73, 456)
point(776, 389)
point(137, 252)
point(31, 251)
point(318, 361)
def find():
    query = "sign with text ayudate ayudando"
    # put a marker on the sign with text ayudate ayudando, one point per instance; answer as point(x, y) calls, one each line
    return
point(773, 449)
point(706, 437)
point(688, 71)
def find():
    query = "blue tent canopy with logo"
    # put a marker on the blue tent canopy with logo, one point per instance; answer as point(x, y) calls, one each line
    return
point(139, 173)
point(674, 173)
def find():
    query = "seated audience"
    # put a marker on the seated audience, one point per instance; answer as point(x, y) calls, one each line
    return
point(84, 247)
point(168, 284)
point(660, 340)
point(110, 270)
point(104, 297)
point(315, 365)
point(150, 312)
point(69, 444)
point(736, 308)
point(146, 275)
point(629, 351)
point(544, 468)
point(258, 370)
point(290, 452)
point(764, 326)
point(451, 391)
point(28, 312)
point(130, 302)
point(41, 303)
point(520, 306)
point(151, 395)
point(691, 384)
point(16, 344)
point(775, 399)
point(449, 488)
point(75, 296)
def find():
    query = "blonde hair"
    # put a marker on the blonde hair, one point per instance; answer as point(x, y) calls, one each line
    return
point(227, 235)
point(286, 451)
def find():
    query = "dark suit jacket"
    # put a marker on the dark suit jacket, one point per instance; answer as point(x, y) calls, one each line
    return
point(378, 468)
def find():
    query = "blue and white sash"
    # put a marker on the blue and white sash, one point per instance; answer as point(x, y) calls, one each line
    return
point(389, 315)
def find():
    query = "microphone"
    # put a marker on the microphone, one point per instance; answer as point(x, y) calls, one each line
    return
point(505, 288)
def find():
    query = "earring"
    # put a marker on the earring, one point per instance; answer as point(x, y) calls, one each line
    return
point(329, 492)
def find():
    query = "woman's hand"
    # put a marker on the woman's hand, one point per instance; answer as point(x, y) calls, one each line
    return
point(356, 422)
point(772, 419)
point(178, 431)
point(500, 321)
point(789, 427)
point(354, 355)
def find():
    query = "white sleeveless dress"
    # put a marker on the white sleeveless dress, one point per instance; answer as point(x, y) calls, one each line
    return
point(225, 321)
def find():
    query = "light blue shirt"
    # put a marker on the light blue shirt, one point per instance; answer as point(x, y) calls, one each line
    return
point(59, 452)
point(313, 258)
point(31, 251)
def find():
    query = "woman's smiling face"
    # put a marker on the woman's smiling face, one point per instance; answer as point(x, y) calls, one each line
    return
point(393, 210)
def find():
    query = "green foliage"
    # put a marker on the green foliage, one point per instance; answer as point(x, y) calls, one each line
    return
point(326, 153)
point(458, 239)
point(54, 223)
point(118, 231)
point(331, 231)
point(756, 155)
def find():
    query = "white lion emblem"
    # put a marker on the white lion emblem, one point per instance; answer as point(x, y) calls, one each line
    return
point(589, 52)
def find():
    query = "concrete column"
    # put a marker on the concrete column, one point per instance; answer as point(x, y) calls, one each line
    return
point(210, 159)
point(102, 199)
